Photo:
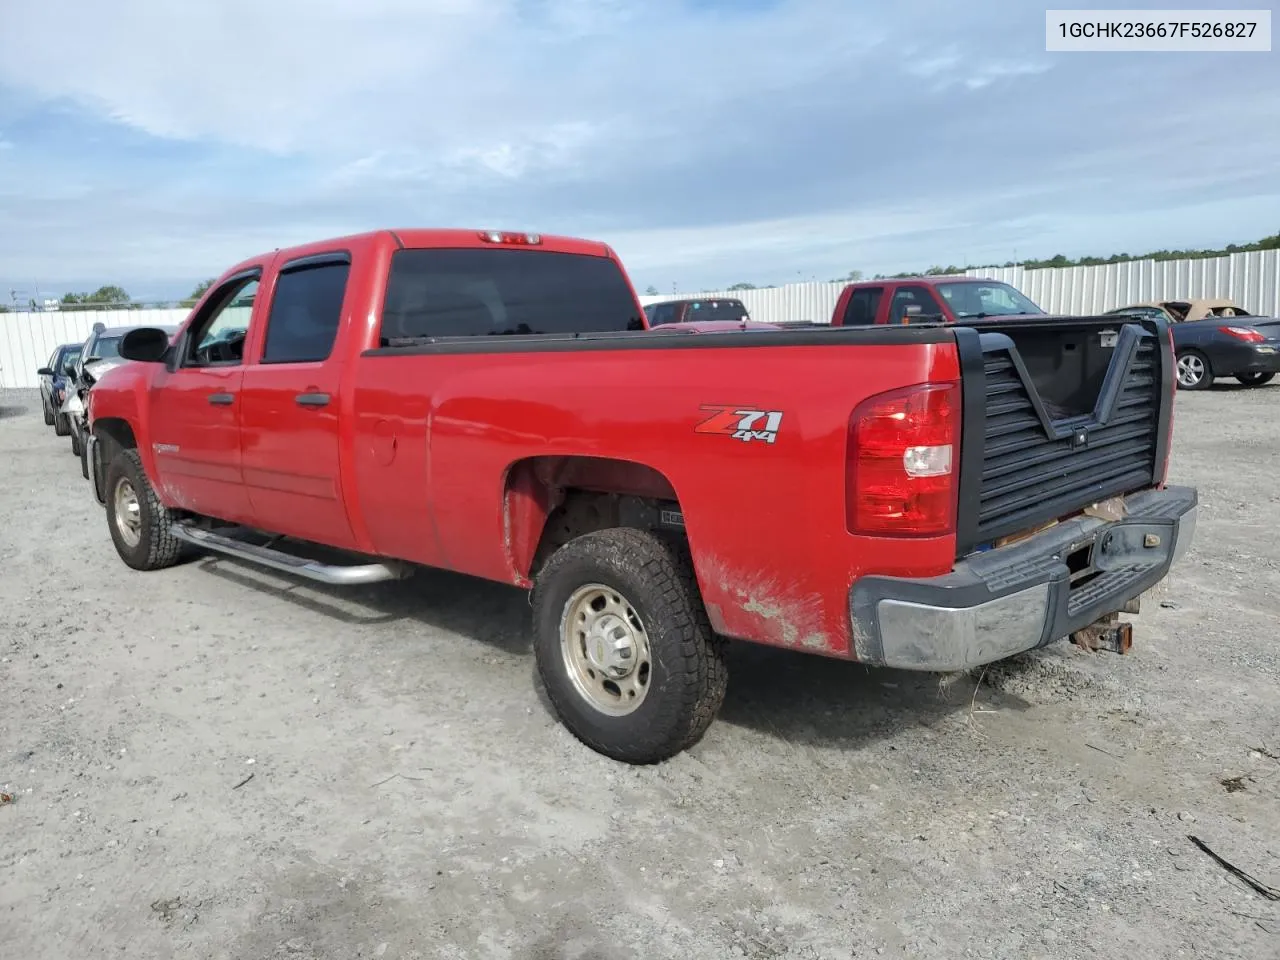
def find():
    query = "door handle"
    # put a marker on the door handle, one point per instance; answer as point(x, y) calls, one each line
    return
point(312, 399)
point(222, 399)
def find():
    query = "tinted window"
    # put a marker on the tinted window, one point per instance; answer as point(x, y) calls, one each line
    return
point(475, 293)
point(305, 312)
point(662, 313)
point(864, 303)
point(715, 310)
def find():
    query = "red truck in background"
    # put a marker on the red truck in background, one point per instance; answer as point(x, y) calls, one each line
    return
point(494, 404)
point(941, 299)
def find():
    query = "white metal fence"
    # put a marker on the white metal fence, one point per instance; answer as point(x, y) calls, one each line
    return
point(1250, 279)
point(28, 339)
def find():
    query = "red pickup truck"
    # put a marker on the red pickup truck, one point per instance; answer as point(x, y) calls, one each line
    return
point(941, 299)
point(493, 404)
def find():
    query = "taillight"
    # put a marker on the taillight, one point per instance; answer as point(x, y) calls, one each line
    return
point(510, 239)
point(903, 448)
point(1247, 334)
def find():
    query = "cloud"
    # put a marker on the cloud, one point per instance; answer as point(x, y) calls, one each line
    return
point(709, 141)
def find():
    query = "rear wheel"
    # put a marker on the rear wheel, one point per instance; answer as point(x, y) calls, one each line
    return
point(48, 411)
point(1194, 372)
point(623, 645)
point(139, 522)
point(1255, 379)
point(61, 425)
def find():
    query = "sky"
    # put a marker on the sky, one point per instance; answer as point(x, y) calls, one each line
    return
point(152, 144)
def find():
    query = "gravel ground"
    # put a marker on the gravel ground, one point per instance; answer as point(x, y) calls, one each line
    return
point(411, 795)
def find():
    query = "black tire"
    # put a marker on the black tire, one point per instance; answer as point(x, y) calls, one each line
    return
point(48, 410)
point(84, 460)
point(1255, 379)
point(76, 446)
point(1192, 357)
point(156, 546)
point(61, 425)
point(687, 674)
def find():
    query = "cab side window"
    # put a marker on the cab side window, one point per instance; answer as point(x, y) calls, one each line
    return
point(864, 304)
point(306, 309)
point(914, 295)
point(216, 335)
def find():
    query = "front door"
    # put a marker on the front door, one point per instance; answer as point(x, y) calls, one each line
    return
point(195, 408)
point(291, 414)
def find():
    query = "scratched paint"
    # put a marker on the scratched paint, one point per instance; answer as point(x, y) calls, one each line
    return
point(781, 611)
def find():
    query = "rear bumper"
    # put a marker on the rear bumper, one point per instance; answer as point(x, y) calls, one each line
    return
point(1248, 358)
point(1016, 598)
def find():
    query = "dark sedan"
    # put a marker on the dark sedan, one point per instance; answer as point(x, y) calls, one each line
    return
point(1240, 345)
point(53, 380)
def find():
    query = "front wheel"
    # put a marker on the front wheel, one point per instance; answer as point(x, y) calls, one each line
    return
point(623, 645)
point(48, 411)
point(76, 444)
point(1255, 379)
point(138, 521)
point(1194, 372)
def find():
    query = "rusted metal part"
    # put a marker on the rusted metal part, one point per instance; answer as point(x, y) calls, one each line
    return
point(1108, 633)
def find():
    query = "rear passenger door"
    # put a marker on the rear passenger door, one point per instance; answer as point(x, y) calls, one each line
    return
point(290, 418)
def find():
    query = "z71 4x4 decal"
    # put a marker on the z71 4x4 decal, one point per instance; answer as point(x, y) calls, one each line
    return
point(741, 424)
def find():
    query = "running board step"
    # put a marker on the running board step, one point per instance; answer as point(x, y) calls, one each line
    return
point(335, 574)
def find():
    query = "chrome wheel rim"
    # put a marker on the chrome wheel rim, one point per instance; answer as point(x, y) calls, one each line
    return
point(606, 649)
point(1190, 370)
point(128, 513)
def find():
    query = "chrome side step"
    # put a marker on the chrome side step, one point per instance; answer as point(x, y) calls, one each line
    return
point(335, 574)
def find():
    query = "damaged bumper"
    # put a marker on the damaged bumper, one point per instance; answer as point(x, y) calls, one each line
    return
point(1025, 595)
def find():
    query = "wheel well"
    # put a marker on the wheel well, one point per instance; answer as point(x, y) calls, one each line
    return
point(551, 500)
point(116, 434)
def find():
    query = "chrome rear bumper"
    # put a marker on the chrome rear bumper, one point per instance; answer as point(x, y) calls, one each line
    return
point(1016, 598)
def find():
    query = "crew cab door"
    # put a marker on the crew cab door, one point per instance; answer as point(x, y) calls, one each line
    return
point(194, 406)
point(291, 405)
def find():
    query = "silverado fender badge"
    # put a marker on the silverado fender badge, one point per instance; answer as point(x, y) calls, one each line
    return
point(743, 424)
point(165, 447)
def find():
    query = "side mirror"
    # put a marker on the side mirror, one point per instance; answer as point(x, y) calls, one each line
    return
point(45, 372)
point(144, 344)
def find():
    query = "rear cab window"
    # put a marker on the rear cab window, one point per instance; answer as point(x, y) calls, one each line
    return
point(732, 310)
point(451, 293)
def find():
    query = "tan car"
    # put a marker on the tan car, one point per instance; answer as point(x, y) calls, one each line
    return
point(1182, 311)
point(1216, 338)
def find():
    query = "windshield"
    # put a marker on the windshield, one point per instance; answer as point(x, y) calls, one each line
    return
point(107, 348)
point(985, 299)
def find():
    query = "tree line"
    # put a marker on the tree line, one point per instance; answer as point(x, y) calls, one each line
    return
point(114, 297)
point(1058, 260)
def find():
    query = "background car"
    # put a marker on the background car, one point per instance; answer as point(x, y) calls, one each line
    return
point(696, 310)
point(1217, 338)
point(53, 379)
point(99, 354)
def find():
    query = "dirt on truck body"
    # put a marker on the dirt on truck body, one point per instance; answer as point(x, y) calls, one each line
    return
point(494, 404)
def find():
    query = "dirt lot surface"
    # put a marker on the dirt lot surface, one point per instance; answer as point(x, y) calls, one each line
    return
point(411, 795)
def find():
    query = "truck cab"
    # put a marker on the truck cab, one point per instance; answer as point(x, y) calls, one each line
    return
point(945, 299)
